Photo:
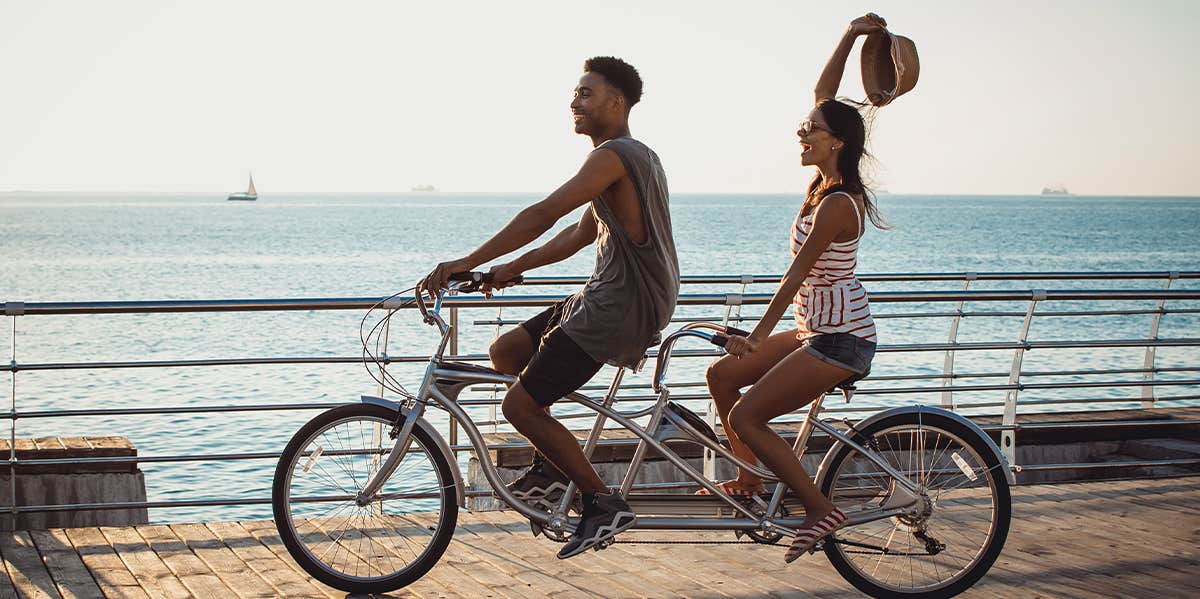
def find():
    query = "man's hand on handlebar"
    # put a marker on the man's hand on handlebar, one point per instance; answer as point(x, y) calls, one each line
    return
point(503, 275)
point(438, 277)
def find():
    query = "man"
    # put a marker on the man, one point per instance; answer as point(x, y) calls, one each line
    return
point(613, 319)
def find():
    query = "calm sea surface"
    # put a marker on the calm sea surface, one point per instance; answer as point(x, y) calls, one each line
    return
point(57, 247)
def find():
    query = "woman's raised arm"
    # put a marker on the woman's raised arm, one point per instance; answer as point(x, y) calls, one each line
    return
point(831, 77)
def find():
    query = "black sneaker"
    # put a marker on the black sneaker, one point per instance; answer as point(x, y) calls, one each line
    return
point(603, 517)
point(542, 486)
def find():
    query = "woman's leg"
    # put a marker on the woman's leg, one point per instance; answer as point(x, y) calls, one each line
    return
point(727, 376)
point(793, 383)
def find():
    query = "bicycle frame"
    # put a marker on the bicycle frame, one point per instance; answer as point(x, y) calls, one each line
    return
point(442, 383)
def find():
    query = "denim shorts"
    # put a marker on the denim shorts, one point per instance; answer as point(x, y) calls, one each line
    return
point(843, 350)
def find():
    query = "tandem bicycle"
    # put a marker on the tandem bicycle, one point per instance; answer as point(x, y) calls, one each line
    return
point(366, 495)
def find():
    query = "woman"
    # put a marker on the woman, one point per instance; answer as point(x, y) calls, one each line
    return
point(834, 338)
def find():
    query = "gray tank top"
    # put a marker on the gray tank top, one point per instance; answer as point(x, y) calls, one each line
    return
point(631, 295)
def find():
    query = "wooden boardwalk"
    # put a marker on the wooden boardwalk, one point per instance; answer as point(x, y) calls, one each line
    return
point(1137, 538)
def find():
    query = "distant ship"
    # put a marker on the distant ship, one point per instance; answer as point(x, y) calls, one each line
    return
point(1055, 190)
point(249, 196)
point(423, 188)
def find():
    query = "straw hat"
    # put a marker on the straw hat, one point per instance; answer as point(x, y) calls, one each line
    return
point(889, 66)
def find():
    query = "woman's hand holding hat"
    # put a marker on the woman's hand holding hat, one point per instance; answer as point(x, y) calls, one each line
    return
point(868, 23)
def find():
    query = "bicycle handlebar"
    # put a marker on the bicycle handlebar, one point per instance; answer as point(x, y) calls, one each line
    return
point(720, 338)
point(471, 281)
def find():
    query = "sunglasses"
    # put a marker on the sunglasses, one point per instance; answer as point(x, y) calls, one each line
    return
point(807, 127)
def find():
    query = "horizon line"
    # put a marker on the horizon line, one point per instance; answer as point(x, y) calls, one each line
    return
point(528, 192)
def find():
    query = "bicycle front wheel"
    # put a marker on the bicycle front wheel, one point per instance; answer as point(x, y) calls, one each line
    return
point(373, 548)
point(957, 535)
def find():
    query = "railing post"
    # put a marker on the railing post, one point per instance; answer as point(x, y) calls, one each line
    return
point(454, 352)
point(948, 366)
point(14, 309)
point(1148, 363)
point(731, 300)
point(1008, 437)
point(492, 414)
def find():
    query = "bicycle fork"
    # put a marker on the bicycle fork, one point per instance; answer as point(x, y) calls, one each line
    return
point(402, 432)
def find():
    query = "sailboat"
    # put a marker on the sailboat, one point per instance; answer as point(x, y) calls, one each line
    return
point(248, 196)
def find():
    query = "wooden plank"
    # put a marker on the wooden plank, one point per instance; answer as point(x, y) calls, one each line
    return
point(7, 589)
point(465, 573)
point(223, 562)
point(1139, 561)
point(105, 566)
point(25, 567)
point(190, 570)
point(147, 567)
point(1075, 525)
point(68, 570)
point(526, 578)
point(490, 564)
point(592, 573)
point(402, 539)
point(262, 560)
point(264, 532)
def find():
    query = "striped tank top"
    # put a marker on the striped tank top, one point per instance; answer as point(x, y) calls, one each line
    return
point(831, 300)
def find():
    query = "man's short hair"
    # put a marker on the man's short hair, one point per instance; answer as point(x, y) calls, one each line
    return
point(619, 74)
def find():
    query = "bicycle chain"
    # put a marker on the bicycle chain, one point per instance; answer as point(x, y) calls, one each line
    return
point(696, 542)
point(668, 542)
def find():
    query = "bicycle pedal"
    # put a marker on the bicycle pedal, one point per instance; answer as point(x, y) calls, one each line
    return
point(603, 544)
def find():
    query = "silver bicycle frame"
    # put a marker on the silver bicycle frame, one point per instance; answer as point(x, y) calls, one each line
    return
point(435, 391)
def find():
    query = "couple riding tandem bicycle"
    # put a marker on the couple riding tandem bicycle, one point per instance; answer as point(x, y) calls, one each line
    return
point(910, 501)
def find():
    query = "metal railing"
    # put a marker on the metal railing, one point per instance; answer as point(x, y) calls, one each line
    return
point(945, 384)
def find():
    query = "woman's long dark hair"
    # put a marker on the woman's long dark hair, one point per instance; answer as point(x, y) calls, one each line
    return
point(847, 124)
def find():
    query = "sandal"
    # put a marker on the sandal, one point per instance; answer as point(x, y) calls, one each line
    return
point(806, 538)
point(733, 489)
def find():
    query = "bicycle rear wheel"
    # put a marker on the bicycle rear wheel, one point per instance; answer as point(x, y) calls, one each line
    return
point(950, 544)
point(373, 548)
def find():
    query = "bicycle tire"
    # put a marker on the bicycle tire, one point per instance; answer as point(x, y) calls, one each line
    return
point(959, 500)
point(384, 545)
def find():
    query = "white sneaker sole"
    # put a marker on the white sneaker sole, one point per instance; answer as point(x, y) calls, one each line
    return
point(621, 522)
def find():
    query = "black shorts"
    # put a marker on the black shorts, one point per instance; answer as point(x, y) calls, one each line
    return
point(558, 366)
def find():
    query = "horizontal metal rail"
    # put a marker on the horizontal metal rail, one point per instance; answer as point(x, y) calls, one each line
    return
point(912, 347)
point(687, 299)
point(886, 315)
point(170, 410)
point(909, 277)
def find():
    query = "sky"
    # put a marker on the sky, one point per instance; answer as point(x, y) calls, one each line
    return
point(474, 96)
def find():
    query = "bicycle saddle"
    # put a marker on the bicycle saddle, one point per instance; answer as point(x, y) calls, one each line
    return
point(465, 367)
point(847, 386)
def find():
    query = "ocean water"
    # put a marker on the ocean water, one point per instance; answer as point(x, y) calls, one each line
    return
point(89, 247)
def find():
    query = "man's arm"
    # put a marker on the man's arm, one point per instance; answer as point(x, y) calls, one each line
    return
point(564, 245)
point(599, 171)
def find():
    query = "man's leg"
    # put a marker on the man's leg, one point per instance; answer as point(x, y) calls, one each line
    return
point(511, 351)
point(551, 438)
